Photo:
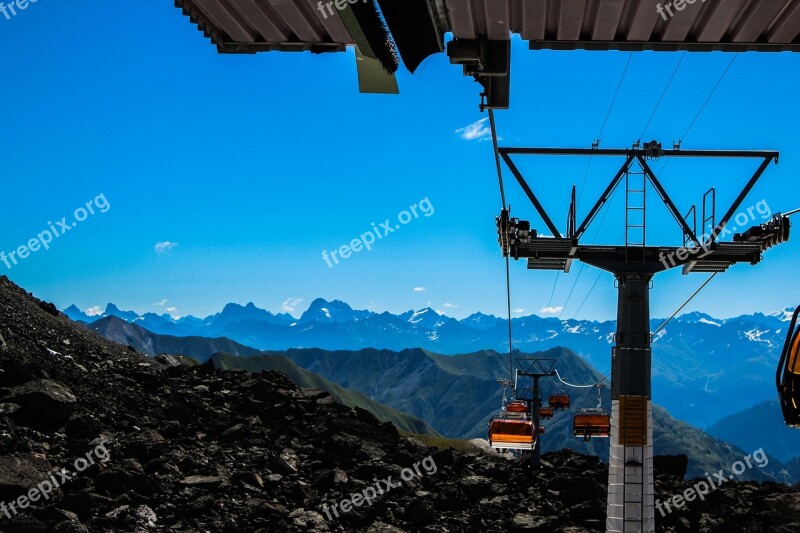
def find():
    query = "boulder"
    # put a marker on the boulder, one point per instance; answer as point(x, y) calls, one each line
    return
point(44, 404)
point(18, 476)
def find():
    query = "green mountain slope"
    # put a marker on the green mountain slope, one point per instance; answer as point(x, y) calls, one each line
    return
point(306, 379)
point(457, 395)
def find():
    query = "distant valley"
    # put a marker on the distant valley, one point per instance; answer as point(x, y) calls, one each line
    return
point(704, 369)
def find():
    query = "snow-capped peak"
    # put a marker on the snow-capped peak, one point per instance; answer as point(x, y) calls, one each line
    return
point(784, 315)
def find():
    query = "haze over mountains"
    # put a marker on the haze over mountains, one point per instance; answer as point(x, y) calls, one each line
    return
point(454, 394)
point(703, 368)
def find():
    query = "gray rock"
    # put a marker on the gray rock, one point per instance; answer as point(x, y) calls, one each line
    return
point(44, 404)
point(203, 481)
point(18, 476)
point(380, 527)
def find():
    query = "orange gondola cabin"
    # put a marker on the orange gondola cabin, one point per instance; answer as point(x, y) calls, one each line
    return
point(517, 408)
point(559, 401)
point(592, 423)
point(513, 429)
point(507, 434)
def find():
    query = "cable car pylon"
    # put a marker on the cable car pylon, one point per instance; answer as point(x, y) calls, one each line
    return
point(630, 504)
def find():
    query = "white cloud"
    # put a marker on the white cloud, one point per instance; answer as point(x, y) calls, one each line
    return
point(94, 311)
point(291, 303)
point(551, 310)
point(476, 131)
point(165, 246)
point(420, 289)
point(449, 306)
point(518, 311)
point(172, 311)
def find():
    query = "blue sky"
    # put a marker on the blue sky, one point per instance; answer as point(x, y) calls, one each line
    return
point(253, 165)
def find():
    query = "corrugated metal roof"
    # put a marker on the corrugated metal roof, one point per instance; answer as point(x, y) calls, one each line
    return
point(632, 24)
point(243, 26)
point(248, 26)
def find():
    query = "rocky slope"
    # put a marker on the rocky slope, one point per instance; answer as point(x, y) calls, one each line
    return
point(347, 397)
point(406, 387)
point(413, 382)
point(201, 349)
point(190, 448)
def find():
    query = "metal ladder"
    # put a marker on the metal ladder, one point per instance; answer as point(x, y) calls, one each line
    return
point(635, 204)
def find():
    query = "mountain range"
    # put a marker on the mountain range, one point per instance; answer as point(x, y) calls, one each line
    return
point(452, 395)
point(189, 447)
point(703, 368)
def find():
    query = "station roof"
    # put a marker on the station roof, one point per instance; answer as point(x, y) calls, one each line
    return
point(290, 25)
point(733, 25)
point(386, 32)
point(246, 26)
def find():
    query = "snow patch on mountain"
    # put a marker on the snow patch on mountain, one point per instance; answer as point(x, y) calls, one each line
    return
point(553, 334)
point(416, 318)
point(754, 335)
point(784, 315)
